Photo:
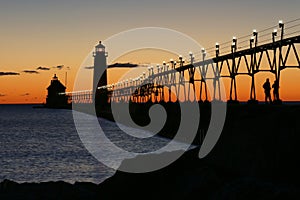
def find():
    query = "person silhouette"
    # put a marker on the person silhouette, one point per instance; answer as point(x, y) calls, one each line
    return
point(275, 87)
point(267, 88)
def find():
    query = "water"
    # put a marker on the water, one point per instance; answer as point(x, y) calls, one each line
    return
point(39, 145)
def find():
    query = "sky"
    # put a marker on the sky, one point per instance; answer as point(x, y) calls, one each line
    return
point(48, 34)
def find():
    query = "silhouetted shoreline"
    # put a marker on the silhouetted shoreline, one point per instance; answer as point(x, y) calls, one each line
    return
point(256, 157)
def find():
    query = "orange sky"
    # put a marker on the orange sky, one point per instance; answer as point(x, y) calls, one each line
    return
point(31, 88)
point(52, 33)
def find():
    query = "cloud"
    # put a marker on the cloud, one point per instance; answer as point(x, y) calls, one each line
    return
point(123, 65)
point(26, 94)
point(31, 72)
point(9, 73)
point(43, 68)
point(117, 65)
point(59, 67)
point(2, 95)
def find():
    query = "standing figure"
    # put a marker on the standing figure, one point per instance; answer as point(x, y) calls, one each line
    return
point(275, 87)
point(267, 88)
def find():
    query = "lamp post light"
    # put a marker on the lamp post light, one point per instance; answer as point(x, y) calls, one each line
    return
point(217, 49)
point(172, 63)
point(165, 66)
point(191, 57)
point(180, 60)
point(281, 25)
point(234, 41)
point(203, 53)
point(157, 66)
point(255, 35)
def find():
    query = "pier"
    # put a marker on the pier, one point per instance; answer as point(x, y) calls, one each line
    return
point(269, 50)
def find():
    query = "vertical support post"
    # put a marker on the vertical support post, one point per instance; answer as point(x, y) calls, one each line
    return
point(254, 39)
point(279, 67)
point(233, 71)
point(216, 80)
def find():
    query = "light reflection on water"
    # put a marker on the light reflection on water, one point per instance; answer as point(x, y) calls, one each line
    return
point(38, 145)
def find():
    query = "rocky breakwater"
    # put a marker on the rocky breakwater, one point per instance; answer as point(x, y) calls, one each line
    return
point(256, 157)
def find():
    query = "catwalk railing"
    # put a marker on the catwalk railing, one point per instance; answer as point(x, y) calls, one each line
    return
point(188, 77)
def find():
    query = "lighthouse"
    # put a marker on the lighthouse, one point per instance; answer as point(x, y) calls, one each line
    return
point(56, 94)
point(100, 74)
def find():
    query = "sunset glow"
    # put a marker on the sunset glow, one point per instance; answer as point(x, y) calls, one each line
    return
point(39, 36)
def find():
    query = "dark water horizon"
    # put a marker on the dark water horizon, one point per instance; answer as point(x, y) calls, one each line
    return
point(284, 102)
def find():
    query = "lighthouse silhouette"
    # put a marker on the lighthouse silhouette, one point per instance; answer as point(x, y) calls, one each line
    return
point(100, 96)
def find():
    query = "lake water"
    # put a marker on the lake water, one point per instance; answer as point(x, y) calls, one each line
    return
point(38, 145)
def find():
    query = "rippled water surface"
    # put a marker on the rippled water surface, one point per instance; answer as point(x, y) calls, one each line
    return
point(38, 145)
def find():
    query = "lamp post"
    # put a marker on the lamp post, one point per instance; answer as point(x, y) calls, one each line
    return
point(144, 75)
point(152, 70)
point(255, 35)
point(281, 25)
point(233, 47)
point(274, 34)
point(191, 57)
point(203, 53)
point(180, 60)
point(234, 44)
point(149, 71)
point(158, 68)
point(217, 49)
point(251, 42)
point(166, 66)
point(233, 70)
point(172, 63)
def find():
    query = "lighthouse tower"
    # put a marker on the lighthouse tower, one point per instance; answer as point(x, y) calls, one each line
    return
point(100, 74)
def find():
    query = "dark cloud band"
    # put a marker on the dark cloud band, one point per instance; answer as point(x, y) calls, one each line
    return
point(31, 72)
point(9, 73)
point(43, 68)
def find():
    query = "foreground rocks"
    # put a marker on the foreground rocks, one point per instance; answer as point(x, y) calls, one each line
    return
point(186, 178)
point(48, 190)
point(190, 177)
